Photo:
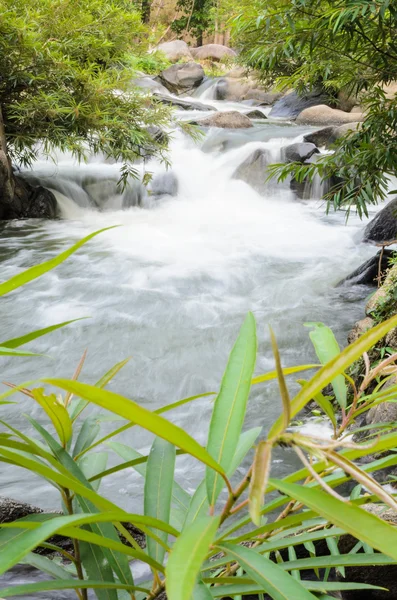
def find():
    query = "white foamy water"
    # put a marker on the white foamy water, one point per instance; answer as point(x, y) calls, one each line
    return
point(171, 286)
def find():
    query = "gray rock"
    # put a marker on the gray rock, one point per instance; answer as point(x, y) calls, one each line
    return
point(299, 152)
point(383, 227)
point(164, 184)
point(359, 328)
point(184, 104)
point(256, 114)
point(135, 194)
point(212, 51)
point(226, 120)
point(328, 135)
point(151, 84)
point(12, 510)
point(367, 273)
point(289, 106)
point(182, 77)
point(322, 114)
point(253, 170)
point(175, 50)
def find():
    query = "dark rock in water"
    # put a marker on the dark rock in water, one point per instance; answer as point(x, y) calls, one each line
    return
point(321, 137)
point(367, 273)
point(165, 184)
point(182, 77)
point(291, 105)
point(299, 152)
point(256, 114)
point(221, 89)
point(383, 227)
point(29, 202)
point(184, 104)
point(253, 170)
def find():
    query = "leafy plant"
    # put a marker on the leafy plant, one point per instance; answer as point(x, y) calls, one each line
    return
point(224, 540)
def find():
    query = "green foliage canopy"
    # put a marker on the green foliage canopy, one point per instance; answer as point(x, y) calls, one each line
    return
point(342, 46)
point(65, 80)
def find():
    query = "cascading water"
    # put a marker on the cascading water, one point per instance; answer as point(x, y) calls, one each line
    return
point(171, 286)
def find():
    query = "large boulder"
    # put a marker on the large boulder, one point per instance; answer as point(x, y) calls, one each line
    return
point(29, 202)
point(213, 52)
point(239, 90)
point(383, 227)
point(368, 272)
point(322, 114)
point(175, 50)
point(299, 152)
point(253, 170)
point(226, 120)
point(328, 135)
point(291, 105)
point(182, 78)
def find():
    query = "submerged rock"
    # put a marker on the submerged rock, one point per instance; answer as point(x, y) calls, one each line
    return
point(383, 227)
point(184, 104)
point(212, 51)
point(151, 84)
point(182, 77)
point(368, 272)
point(175, 50)
point(256, 114)
point(322, 114)
point(164, 184)
point(253, 170)
point(226, 120)
point(291, 105)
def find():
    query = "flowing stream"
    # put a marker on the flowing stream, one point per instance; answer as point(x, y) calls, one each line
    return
point(171, 286)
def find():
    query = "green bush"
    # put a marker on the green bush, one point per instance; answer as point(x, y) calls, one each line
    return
point(223, 540)
point(152, 64)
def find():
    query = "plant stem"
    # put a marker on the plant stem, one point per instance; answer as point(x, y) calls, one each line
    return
point(234, 495)
point(69, 506)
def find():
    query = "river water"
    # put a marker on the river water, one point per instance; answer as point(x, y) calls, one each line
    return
point(171, 286)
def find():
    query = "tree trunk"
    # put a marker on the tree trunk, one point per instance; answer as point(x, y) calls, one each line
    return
point(6, 177)
point(146, 6)
point(200, 38)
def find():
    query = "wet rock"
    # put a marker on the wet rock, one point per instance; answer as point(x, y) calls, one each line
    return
point(253, 170)
point(29, 202)
point(256, 114)
point(368, 272)
point(242, 90)
point(299, 152)
point(150, 84)
point(226, 120)
point(175, 50)
point(215, 52)
point(291, 105)
point(135, 194)
point(164, 184)
point(359, 328)
point(383, 227)
point(328, 135)
point(181, 78)
point(12, 510)
point(184, 104)
point(322, 114)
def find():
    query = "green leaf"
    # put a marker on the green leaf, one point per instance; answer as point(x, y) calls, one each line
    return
point(260, 476)
point(46, 565)
point(187, 556)
point(334, 368)
point(353, 519)
point(287, 371)
point(92, 464)
point(158, 490)
point(57, 413)
point(45, 586)
point(33, 335)
point(327, 348)
point(226, 591)
point(4, 351)
point(281, 381)
point(267, 574)
point(201, 592)
point(38, 270)
point(230, 405)
point(132, 411)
